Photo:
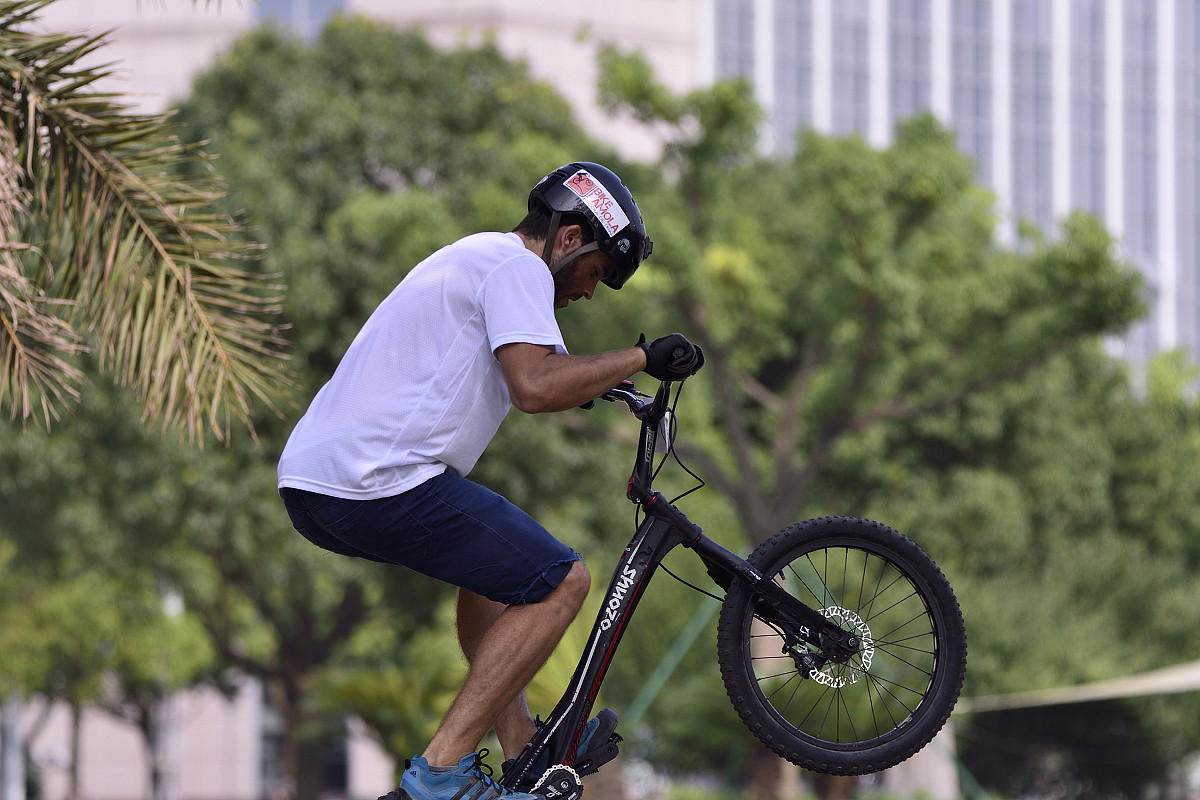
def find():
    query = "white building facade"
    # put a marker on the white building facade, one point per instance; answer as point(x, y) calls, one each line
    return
point(1063, 104)
point(213, 747)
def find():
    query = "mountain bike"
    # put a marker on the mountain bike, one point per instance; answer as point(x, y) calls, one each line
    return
point(840, 641)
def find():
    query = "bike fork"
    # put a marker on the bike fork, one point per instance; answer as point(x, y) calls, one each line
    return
point(775, 606)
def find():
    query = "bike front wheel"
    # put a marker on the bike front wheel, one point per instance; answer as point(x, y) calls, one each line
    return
point(845, 714)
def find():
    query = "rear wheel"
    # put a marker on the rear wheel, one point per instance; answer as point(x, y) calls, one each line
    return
point(845, 714)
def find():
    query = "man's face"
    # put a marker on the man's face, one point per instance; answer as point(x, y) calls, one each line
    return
point(579, 278)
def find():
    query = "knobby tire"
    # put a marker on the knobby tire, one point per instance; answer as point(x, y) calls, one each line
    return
point(878, 707)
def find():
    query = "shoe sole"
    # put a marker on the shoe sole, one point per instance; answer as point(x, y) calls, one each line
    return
point(475, 789)
point(606, 726)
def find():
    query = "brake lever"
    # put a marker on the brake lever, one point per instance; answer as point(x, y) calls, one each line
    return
point(617, 392)
point(626, 386)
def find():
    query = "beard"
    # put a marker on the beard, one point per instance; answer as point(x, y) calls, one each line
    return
point(564, 279)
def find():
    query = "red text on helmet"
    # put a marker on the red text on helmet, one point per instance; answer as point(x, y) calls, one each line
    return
point(596, 197)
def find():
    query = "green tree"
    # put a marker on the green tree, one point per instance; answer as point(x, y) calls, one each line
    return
point(105, 244)
point(82, 621)
point(1059, 503)
point(357, 155)
point(1058, 498)
point(844, 287)
point(873, 350)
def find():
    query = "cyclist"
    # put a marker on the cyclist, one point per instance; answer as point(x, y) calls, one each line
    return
point(376, 466)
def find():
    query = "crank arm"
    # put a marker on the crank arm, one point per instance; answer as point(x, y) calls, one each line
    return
point(597, 757)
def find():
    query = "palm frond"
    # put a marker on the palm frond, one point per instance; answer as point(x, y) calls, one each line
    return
point(34, 375)
point(126, 218)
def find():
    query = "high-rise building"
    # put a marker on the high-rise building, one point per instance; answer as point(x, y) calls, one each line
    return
point(305, 17)
point(560, 42)
point(154, 47)
point(1063, 104)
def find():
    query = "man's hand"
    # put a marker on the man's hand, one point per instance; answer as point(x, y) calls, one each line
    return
point(671, 358)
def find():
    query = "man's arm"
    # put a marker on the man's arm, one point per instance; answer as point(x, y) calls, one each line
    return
point(539, 379)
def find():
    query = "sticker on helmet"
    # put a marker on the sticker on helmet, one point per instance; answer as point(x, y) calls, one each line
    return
point(596, 197)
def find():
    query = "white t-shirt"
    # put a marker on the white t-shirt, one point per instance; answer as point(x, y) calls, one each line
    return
point(420, 389)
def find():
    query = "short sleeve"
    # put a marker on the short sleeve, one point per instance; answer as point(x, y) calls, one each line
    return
point(517, 302)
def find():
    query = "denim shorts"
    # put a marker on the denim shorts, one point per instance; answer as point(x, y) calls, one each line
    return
point(448, 528)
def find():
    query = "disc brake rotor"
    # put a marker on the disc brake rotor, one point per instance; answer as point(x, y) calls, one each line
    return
point(836, 675)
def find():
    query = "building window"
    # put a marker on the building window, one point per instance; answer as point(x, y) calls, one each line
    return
point(1141, 127)
point(910, 56)
point(1031, 120)
point(735, 38)
point(851, 67)
point(305, 17)
point(1087, 105)
point(793, 68)
point(1187, 175)
point(971, 82)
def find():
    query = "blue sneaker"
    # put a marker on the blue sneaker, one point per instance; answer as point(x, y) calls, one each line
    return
point(470, 780)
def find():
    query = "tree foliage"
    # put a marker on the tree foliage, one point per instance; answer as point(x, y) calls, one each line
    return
point(357, 154)
point(847, 287)
point(873, 350)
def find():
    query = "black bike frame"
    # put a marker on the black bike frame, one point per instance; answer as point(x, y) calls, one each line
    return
point(663, 528)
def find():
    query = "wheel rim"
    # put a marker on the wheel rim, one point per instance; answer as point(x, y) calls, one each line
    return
point(865, 699)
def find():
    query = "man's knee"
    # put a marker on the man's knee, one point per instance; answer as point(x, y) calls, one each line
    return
point(576, 584)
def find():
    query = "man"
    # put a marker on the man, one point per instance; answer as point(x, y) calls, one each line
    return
point(376, 467)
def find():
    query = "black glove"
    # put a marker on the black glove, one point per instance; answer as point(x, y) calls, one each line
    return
point(671, 358)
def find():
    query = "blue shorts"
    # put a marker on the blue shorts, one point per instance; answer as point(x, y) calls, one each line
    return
point(447, 528)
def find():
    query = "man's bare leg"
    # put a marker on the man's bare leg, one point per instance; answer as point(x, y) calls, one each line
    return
point(507, 655)
point(515, 726)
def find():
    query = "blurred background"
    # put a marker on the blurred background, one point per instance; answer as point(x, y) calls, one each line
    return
point(944, 256)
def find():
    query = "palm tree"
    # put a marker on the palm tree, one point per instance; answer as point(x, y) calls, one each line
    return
point(112, 241)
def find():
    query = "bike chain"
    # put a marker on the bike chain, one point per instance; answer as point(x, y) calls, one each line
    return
point(560, 782)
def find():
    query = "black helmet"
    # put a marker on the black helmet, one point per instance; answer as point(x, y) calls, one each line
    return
point(597, 194)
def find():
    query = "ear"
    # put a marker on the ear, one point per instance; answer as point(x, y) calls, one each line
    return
point(569, 237)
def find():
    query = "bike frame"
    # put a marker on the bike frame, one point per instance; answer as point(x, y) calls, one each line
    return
point(663, 528)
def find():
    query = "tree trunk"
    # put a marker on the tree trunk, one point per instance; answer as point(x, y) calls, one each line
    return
point(73, 782)
point(766, 776)
point(302, 753)
point(12, 750)
point(607, 784)
point(836, 787)
point(161, 752)
point(307, 776)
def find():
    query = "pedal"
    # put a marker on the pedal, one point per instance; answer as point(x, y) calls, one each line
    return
point(597, 757)
point(560, 782)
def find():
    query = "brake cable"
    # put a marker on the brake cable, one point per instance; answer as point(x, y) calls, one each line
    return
point(671, 452)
